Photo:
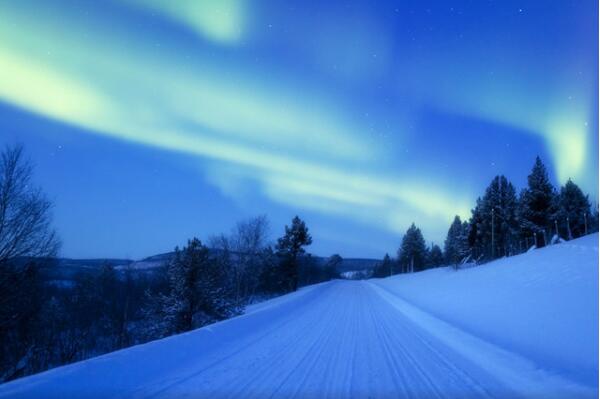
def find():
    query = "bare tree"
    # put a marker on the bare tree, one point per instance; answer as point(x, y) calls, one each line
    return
point(25, 235)
point(25, 219)
point(250, 238)
point(244, 250)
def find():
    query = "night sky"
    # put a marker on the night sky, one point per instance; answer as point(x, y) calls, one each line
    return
point(151, 121)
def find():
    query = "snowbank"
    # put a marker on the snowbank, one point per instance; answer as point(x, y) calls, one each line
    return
point(542, 305)
point(158, 365)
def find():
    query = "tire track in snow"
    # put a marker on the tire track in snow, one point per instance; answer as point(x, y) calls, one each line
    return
point(424, 368)
point(316, 352)
point(320, 343)
point(395, 370)
point(164, 386)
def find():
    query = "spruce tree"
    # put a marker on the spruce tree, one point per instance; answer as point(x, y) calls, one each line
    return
point(199, 291)
point(436, 257)
point(385, 268)
point(464, 247)
point(412, 254)
point(456, 246)
point(289, 247)
point(452, 245)
point(536, 205)
point(475, 239)
point(387, 265)
point(271, 277)
point(573, 211)
point(184, 273)
point(495, 220)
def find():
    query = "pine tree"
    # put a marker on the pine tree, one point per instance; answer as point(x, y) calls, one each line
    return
point(388, 265)
point(573, 211)
point(475, 239)
point(384, 268)
point(199, 292)
point(464, 247)
point(289, 247)
point(412, 254)
point(184, 274)
point(450, 242)
point(536, 205)
point(436, 257)
point(456, 245)
point(496, 214)
point(271, 278)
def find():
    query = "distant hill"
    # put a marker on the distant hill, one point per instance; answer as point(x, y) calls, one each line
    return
point(346, 265)
point(65, 269)
point(356, 264)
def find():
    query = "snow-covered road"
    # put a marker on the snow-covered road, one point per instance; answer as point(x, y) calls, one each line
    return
point(346, 342)
point(342, 339)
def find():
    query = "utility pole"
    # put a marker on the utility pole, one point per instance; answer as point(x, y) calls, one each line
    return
point(585, 222)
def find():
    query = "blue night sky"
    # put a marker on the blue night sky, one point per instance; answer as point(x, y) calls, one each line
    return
point(153, 121)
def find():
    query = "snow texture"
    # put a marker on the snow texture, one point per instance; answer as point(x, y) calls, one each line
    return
point(519, 327)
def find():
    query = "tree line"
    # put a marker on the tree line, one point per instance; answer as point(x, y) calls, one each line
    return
point(502, 223)
point(44, 324)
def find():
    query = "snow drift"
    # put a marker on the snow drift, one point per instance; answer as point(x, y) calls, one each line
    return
point(542, 304)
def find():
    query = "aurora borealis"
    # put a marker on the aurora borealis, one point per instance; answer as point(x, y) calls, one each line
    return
point(150, 121)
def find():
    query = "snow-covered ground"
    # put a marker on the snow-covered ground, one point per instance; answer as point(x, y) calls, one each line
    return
point(542, 304)
point(519, 327)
